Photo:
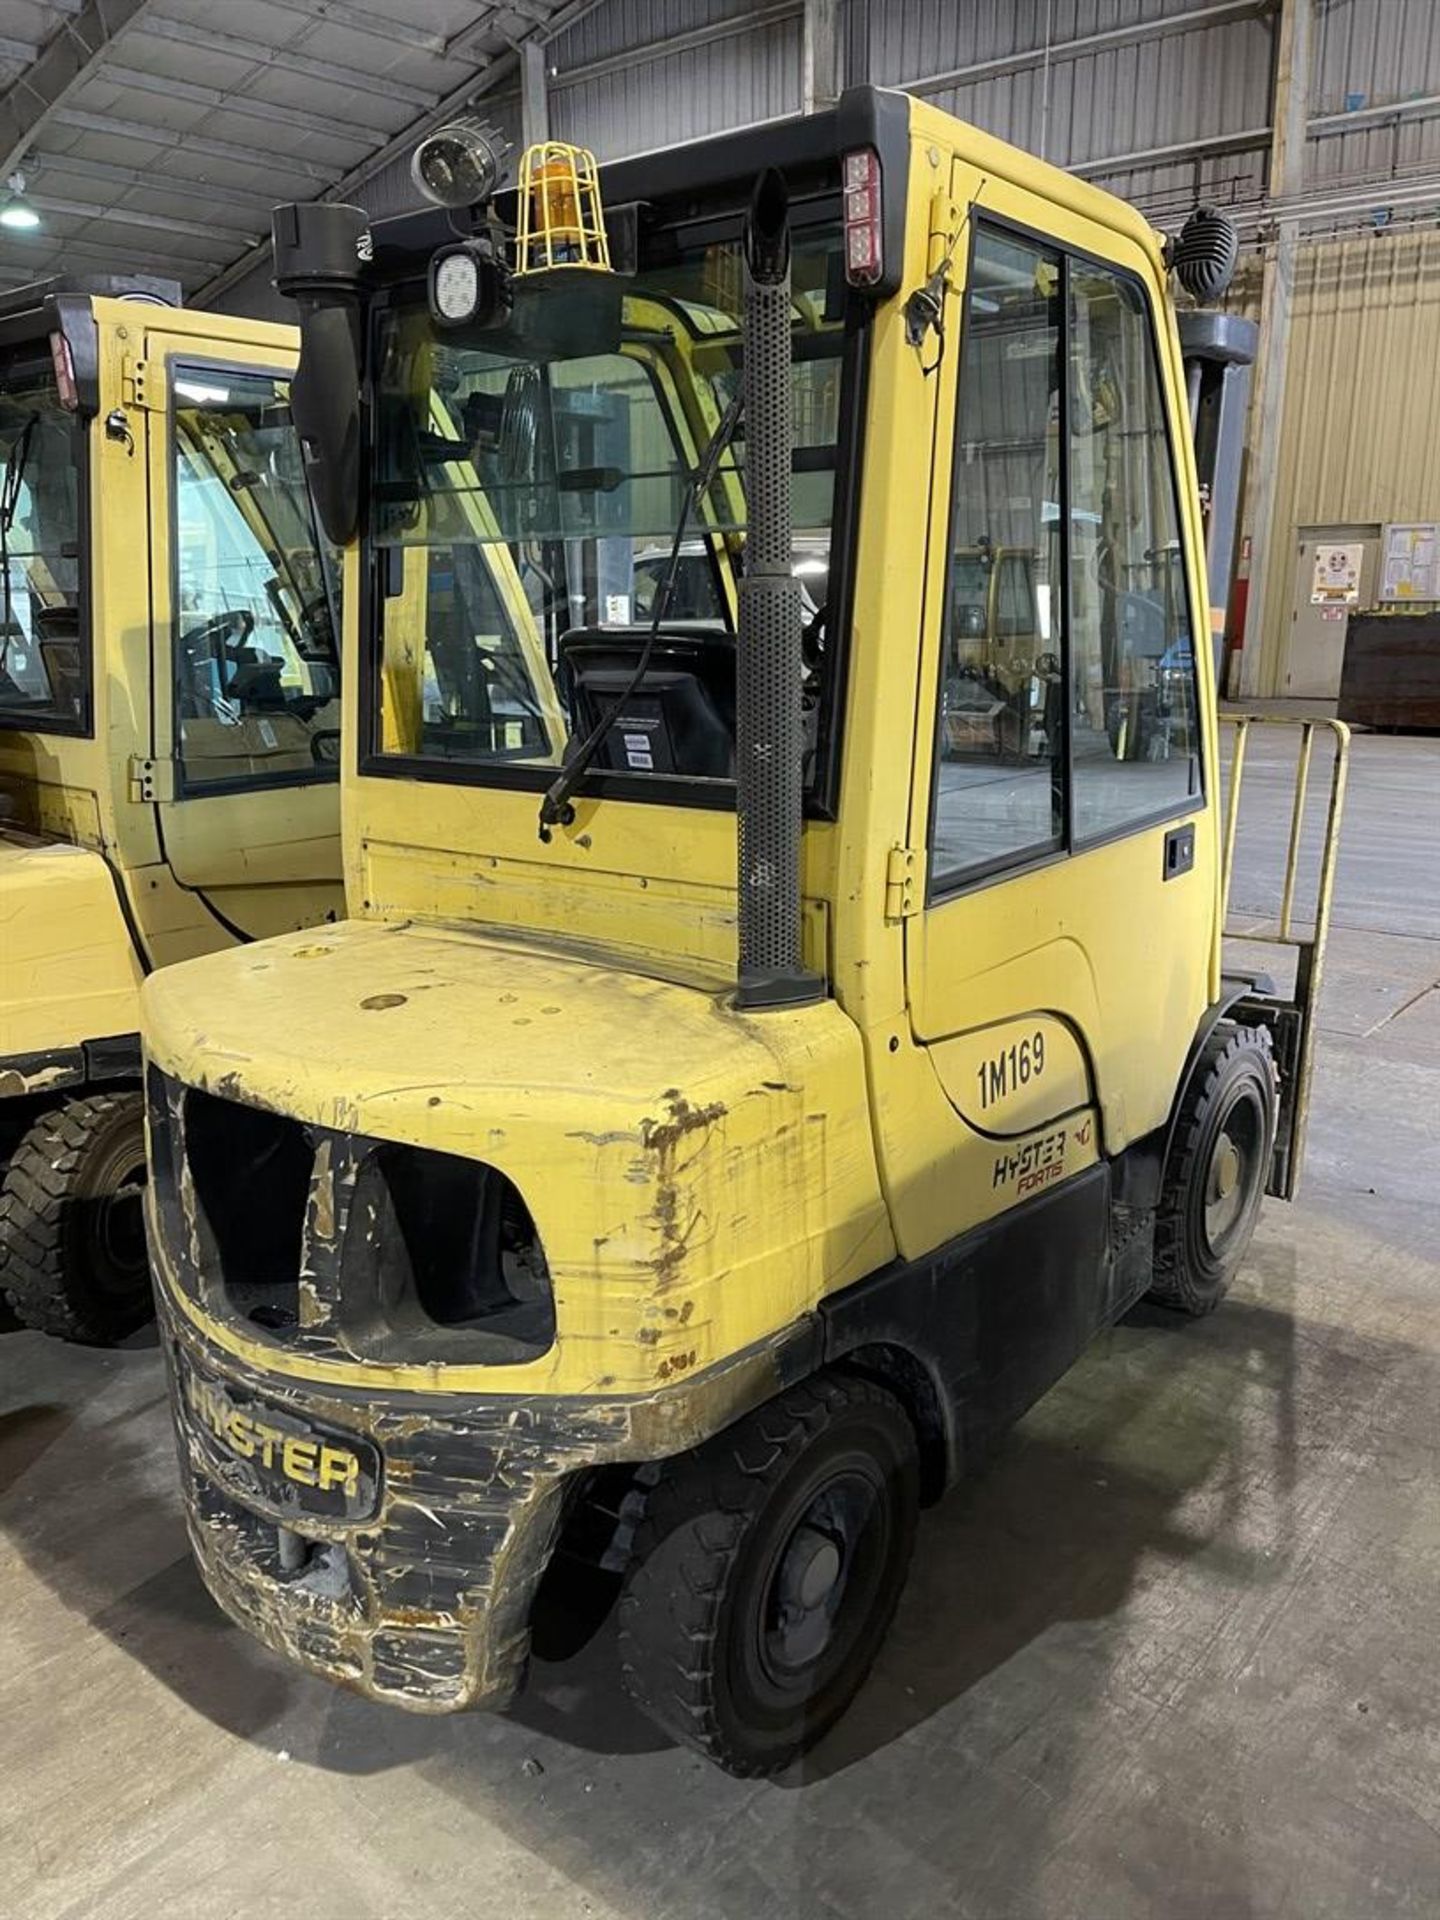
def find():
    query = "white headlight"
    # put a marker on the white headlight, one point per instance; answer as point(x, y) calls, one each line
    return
point(455, 286)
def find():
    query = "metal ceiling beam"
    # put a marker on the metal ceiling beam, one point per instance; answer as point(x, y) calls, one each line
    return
point(354, 133)
point(45, 165)
point(1327, 123)
point(1248, 140)
point(173, 139)
point(137, 217)
point(288, 59)
point(398, 33)
point(23, 52)
point(116, 259)
point(66, 62)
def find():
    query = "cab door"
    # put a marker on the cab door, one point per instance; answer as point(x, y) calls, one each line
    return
point(246, 689)
point(1061, 959)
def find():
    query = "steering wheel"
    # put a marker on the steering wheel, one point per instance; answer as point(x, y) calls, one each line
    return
point(222, 631)
point(325, 746)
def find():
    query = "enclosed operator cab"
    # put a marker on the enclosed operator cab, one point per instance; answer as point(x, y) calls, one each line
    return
point(169, 736)
point(625, 1175)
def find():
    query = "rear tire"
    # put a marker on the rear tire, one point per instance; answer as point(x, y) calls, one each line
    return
point(72, 1236)
point(767, 1571)
point(1217, 1169)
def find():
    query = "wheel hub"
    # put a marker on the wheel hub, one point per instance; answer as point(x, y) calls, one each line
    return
point(1226, 1168)
point(810, 1569)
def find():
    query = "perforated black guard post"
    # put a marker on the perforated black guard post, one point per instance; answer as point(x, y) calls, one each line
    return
point(769, 750)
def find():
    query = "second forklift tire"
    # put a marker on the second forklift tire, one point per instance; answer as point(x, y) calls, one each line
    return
point(72, 1237)
point(1215, 1175)
point(767, 1570)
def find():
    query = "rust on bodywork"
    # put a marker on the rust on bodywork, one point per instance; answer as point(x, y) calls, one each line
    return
point(424, 1602)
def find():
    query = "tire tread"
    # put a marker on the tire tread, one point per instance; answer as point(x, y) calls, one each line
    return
point(39, 1185)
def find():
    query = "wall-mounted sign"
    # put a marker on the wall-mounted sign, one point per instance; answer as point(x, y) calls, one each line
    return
point(1412, 561)
point(1336, 581)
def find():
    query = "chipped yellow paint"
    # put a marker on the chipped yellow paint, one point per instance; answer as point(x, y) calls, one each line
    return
point(674, 1153)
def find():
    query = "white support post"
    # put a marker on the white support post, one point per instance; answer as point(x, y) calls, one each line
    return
point(534, 94)
point(1289, 123)
point(820, 55)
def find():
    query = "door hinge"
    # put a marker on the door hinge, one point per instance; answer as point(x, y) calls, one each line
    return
point(141, 386)
point(151, 780)
point(904, 882)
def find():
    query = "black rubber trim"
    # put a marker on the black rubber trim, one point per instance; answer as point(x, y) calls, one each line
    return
point(117, 1057)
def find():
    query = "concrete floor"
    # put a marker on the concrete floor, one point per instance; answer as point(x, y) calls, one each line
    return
point(1175, 1653)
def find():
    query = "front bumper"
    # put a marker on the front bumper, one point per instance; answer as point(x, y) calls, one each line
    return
point(423, 1598)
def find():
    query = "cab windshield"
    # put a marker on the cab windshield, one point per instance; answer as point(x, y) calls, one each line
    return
point(527, 487)
point(44, 679)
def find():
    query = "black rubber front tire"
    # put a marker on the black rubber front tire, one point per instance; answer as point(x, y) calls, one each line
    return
point(72, 1238)
point(1225, 1132)
point(721, 1641)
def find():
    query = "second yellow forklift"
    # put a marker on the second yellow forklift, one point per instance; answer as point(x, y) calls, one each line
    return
point(169, 736)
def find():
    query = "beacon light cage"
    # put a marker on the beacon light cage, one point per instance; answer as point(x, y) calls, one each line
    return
point(561, 221)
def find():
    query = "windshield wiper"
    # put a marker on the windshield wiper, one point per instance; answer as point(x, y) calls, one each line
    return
point(555, 808)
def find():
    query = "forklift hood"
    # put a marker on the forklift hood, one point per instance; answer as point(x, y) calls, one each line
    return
point(663, 1142)
point(69, 972)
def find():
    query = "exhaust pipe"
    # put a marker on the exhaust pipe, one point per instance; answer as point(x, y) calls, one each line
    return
point(769, 747)
point(319, 252)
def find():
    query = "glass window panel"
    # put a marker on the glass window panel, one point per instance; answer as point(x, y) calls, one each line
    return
point(999, 777)
point(256, 666)
point(44, 676)
point(1134, 730)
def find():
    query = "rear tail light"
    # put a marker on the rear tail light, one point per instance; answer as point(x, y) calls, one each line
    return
point(864, 241)
point(64, 367)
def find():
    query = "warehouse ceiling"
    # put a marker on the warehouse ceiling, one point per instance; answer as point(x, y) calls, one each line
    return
point(156, 135)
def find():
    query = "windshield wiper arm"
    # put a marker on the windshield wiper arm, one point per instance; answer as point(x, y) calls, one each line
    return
point(555, 808)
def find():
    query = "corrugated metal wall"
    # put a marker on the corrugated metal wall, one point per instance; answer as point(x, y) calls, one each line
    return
point(1370, 54)
point(1360, 430)
point(637, 101)
point(1088, 104)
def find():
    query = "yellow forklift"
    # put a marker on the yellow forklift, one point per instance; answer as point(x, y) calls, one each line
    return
point(734, 1097)
point(169, 736)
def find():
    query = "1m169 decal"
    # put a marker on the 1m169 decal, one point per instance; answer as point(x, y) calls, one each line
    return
point(1011, 1078)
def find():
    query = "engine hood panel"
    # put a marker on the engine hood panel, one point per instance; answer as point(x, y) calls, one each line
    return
point(698, 1177)
point(68, 967)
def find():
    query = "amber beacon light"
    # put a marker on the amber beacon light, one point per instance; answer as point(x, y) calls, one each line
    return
point(561, 220)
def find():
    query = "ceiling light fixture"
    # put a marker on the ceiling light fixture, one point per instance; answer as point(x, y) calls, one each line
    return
point(15, 214)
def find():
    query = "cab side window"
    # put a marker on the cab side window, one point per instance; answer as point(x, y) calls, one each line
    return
point(1068, 709)
point(999, 764)
point(256, 660)
point(1133, 719)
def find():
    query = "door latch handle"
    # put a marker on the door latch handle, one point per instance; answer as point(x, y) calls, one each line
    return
point(1179, 851)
